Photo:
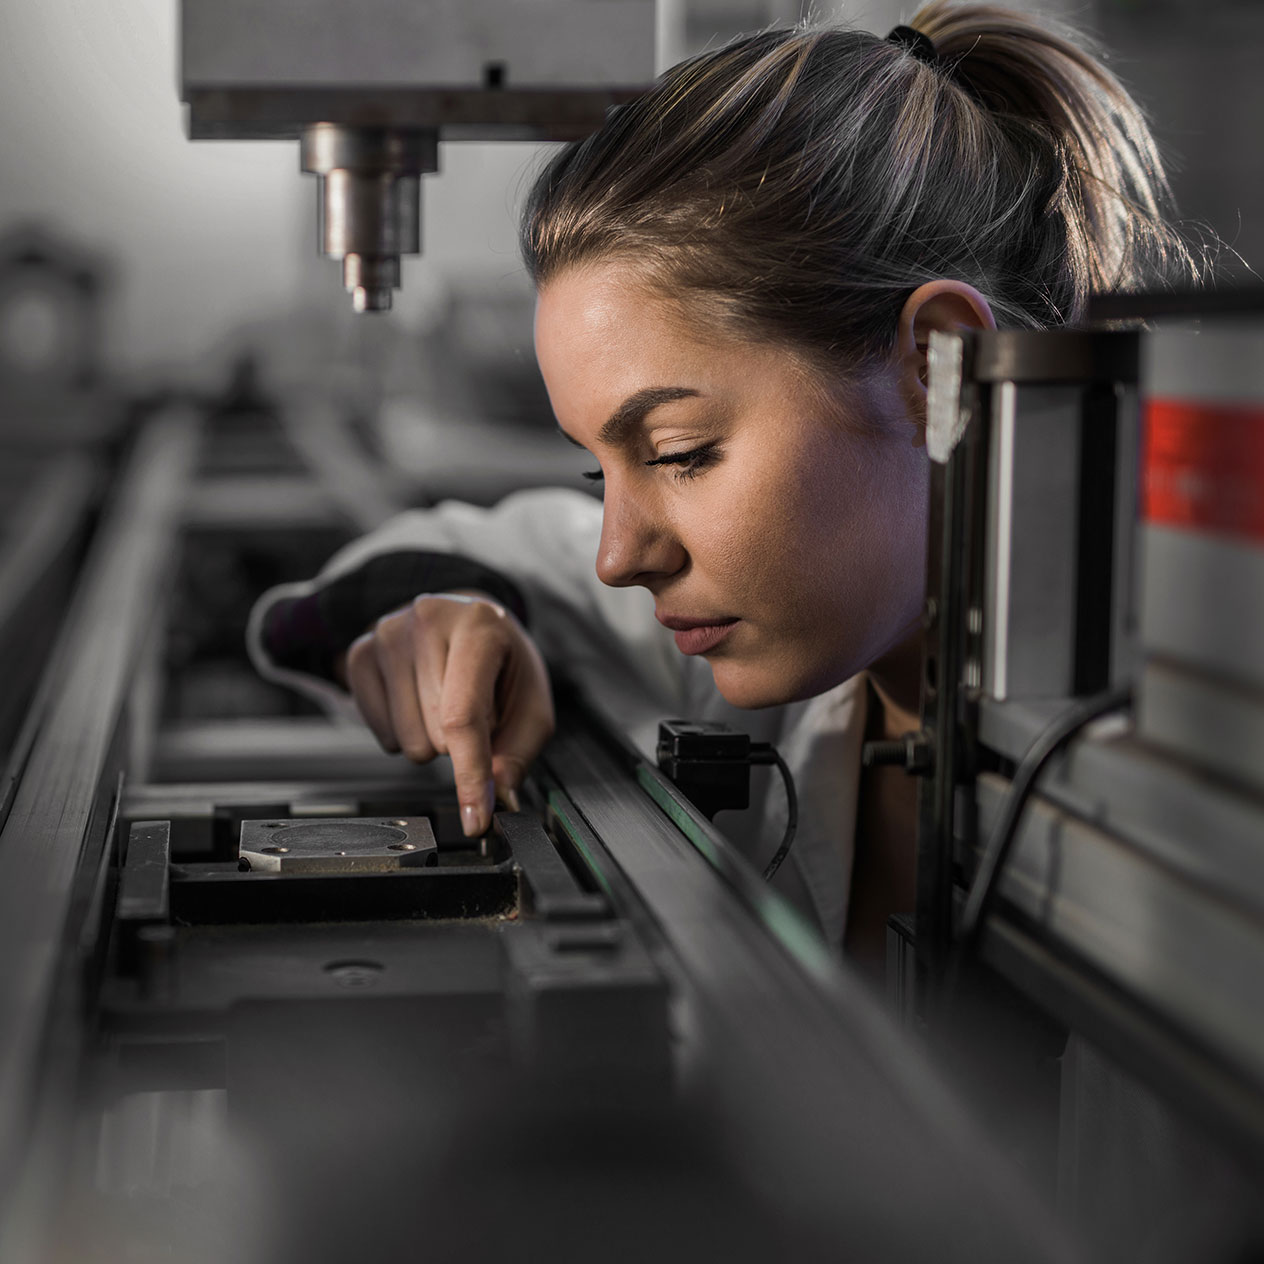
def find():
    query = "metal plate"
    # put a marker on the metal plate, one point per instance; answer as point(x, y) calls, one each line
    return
point(337, 844)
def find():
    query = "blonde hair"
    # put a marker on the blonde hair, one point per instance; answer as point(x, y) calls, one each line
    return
point(796, 185)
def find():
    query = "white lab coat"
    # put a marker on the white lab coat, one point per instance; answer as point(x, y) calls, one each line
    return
point(610, 644)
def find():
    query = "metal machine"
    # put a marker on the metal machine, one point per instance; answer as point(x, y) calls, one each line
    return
point(1091, 820)
point(369, 89)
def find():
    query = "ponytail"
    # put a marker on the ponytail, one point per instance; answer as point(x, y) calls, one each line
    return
point(1111, 192)
point(796, 185)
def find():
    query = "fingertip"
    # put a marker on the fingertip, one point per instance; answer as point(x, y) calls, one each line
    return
point(476, 814)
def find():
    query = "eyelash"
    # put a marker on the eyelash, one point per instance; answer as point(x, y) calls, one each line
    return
point(688, 464)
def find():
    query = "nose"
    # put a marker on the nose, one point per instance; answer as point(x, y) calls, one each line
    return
point(637, 546)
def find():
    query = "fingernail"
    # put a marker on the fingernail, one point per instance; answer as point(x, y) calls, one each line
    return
point(471, 820)
point(509, 797)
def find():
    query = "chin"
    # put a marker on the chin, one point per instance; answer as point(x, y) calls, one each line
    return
point(751, 683)
point(750, 688)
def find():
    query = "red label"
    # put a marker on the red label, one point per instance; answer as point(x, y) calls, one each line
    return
point(1203, 466)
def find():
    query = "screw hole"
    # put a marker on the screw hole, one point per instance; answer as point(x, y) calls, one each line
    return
point(355, 974)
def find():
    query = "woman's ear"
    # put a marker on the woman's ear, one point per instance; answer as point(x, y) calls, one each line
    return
point(948, 306)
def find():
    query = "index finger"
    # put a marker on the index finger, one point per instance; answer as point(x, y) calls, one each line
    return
point(468, 713)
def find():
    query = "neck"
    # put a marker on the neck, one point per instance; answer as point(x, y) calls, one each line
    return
point(897, 679)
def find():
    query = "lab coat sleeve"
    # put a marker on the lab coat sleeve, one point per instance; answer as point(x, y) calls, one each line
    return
point(535, 552)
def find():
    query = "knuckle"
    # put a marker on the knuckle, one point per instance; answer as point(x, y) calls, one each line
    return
point(390, 627)
point(470, 785)
point(419, 752)
point(486, 612)
point(481, 619)
point(461, 718)
point(360, 650)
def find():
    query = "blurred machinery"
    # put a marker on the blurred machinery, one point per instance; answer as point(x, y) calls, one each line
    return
point(370, 88)
point(1090, 917)
point(60, 423)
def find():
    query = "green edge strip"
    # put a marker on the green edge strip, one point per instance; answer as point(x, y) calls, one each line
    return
point(573, 833)
point(779, 916)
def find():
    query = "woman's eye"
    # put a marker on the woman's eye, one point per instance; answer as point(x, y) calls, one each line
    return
point(594, 476)
point(689, 464)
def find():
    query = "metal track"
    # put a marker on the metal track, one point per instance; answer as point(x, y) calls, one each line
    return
point(830, 1107)
point(61, 791)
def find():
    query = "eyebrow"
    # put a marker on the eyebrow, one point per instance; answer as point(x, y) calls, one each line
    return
point(616, 428)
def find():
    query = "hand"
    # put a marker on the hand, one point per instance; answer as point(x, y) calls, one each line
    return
point(455, 674)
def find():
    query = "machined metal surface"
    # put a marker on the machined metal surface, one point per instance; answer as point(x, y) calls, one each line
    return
point(340, 845)
point(1211, 723)
point(1033, 492)
point(455, 114)
point(239, 44)
point(1055, 355)
point(1184, 822)
point(1177, 951)
point(370, 201)
point(1202, 602)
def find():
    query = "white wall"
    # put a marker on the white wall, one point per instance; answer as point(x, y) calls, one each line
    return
point(92, 146)
point(205, 235)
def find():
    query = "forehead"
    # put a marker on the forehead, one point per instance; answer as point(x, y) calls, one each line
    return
point(601, 307)
point(602, 332)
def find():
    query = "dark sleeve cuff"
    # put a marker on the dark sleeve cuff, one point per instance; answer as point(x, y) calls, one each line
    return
point(307, 634)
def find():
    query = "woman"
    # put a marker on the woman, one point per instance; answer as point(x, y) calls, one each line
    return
point(737, 278)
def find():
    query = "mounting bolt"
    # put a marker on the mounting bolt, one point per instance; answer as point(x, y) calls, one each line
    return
point(913, 752)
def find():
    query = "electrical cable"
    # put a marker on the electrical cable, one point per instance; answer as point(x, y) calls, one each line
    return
point(1047, 744)
point(763, 753)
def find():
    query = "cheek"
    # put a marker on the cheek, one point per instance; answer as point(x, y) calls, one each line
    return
point(819, 520)
point(844, 558)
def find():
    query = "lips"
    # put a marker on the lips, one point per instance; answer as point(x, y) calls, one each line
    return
point(697, 636)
